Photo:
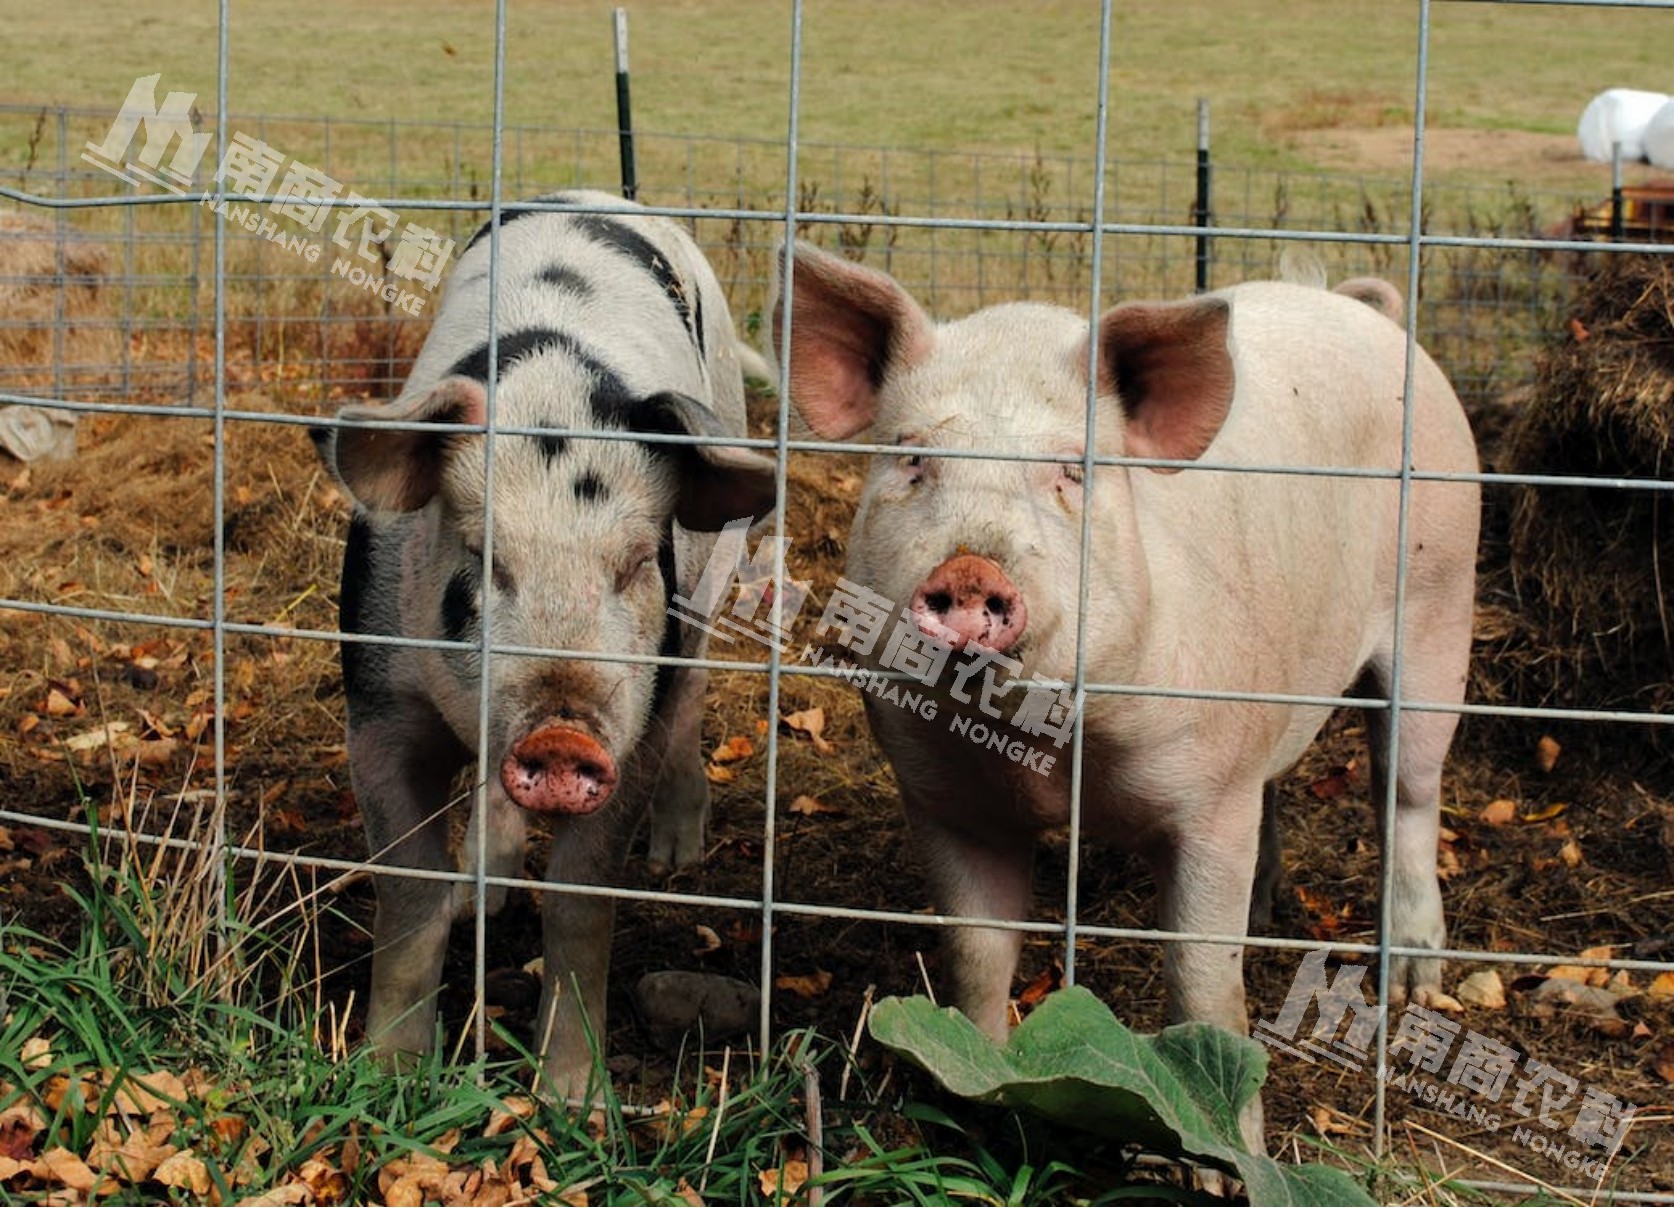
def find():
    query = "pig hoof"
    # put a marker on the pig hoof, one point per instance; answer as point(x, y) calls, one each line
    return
point(1416, 980)
point(558, 770)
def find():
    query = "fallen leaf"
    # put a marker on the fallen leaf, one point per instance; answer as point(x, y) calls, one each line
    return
point(785, 1180)
point(1498, 813)
point(62, 1166)
point(809, 806)
point(1446, 1002)
point(1545, 813)
point(1050, 979)
point(805, 985)
point(1663, 1062)
point(1546, 752)
point(708, 941)
point(1570, 853)
point(36, 1053)
point(687, 1194)
point(733, 749)
point(1483, 989)
point(1329, 1122)
point(719, 775)
point(59, 705)
point(1333, 784)
point(1662, 986)
point(184, 1170)
point(812, 723)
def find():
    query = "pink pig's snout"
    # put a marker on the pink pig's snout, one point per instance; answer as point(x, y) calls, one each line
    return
point(558, 770)
point(968, 598)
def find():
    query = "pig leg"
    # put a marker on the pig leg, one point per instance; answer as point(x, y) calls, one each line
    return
point(402, 770)
point(576, 936)
point(1270, 869)
point(986, 877)
point(680, 804)
point(1204, 883)
point(1415, 903)
point(506, 830)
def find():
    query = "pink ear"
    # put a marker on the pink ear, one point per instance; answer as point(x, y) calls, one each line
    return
point(1169, 367)
point(395, 471)
point(851, 327)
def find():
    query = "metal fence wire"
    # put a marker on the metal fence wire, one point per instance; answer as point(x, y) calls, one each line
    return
point(140, 302)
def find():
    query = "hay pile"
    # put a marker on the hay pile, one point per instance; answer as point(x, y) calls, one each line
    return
point(1592, 568)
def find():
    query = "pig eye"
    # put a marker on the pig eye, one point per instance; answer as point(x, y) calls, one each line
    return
point(638, 564)
point(502, 578)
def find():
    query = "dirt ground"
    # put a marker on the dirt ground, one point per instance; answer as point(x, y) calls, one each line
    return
point(128, 526)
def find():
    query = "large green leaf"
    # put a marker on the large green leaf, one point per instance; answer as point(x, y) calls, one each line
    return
point(1177, 1093)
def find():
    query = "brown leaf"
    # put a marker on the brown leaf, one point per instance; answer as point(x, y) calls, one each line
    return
point(719, 775)
point(806, 985)
point(1333, 784)
point(1049, 980)
point(1545, 813)
point(708, 941)
point(184, 1170)
point(1483, 989)
point(62, 1166)
point(20, 1124)
point(687, 1194)
point(1498, 813)
point(1546, 752)
point(809, 806)
point(812, 723)
point(784, 1180)
point(1570, 853)
point(733, 749)
point(1663, 1062)
point(1662, 986)
point(505, 1117)
point(60, 705)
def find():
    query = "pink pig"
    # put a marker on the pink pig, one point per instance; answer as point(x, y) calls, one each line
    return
point(1220, 581)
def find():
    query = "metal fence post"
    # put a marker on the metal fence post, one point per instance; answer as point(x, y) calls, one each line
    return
point(624, 115)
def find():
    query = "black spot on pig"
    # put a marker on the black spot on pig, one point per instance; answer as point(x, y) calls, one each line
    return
point(561, 276)
point(590, 488)
point(531, 342)
point(620, 237)
point(459, 605)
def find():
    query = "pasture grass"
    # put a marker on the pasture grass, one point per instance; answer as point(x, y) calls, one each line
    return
point(940, 73)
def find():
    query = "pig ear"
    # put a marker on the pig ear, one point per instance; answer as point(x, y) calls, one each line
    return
point(1169, 367)
point(718, 483)
point(851, 327)
point(388, 470)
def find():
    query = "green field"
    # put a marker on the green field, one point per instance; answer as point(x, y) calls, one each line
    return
point(948, 74)
point(950, 110)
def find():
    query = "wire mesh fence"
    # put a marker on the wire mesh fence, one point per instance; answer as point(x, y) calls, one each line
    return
point(116, 301)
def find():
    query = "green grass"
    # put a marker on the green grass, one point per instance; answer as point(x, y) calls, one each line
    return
point(937, 73)
point(183, 1020)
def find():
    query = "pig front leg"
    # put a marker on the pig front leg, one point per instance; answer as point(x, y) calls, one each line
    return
point(680, 802)
point(1204, 882)
point(402, 768)
point(983, 877)
point(576, 935)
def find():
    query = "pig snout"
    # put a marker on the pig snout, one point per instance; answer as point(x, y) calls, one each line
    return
point(969, 598)
point(558, 770)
